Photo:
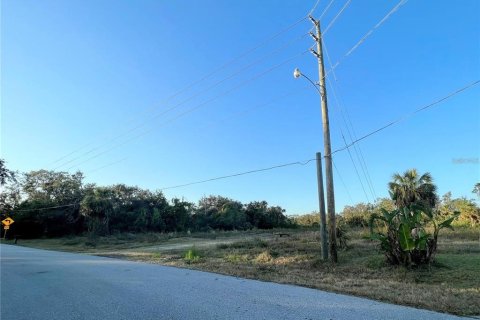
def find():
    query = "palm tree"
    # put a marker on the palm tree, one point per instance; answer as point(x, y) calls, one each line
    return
point(476, 189)
point(411, 188)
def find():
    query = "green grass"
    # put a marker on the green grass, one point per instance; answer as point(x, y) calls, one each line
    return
point(450, 284)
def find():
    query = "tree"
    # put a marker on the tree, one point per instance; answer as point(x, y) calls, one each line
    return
point(178, 215)
point(256, 213)
point(308, 220)
point(405, 233)
point(6, 175)
point(476, 189)
point(97, 208)
point(10, 190)
point(412, 188)
point(217, 212)
point(44, 189)
point(468, 209)
point(357, 215)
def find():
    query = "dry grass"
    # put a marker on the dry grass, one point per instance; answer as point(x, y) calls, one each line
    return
point(451, 284)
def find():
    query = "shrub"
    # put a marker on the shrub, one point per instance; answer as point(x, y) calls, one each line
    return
point(403, 234)
point(342, 236)
point(264, 257)
point(192, 256)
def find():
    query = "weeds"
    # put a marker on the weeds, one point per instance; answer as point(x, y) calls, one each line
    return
point(192, 256)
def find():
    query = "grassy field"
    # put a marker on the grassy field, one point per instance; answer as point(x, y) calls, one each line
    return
point(451, 284)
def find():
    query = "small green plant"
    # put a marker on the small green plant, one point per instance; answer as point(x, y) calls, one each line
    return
point(264, 257)
point(342, 236)
point(236, 258)
point(403, 234)
point(192, 256)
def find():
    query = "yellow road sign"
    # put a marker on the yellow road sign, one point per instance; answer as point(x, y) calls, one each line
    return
point(6, 227)
point(8, 221)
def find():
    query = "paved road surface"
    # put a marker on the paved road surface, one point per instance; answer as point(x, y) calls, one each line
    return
point(48, 285)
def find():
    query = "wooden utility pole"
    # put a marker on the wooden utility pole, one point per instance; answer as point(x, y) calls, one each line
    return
point(332, 235)
point(321, 205)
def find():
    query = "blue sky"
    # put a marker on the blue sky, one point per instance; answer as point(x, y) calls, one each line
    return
point(95, 79)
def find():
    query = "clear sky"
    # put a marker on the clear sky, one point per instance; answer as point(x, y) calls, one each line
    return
point(162, 93)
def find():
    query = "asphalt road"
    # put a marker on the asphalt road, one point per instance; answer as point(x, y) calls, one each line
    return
point(40, 284)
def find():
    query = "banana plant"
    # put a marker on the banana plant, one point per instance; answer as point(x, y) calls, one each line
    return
point(403, 236)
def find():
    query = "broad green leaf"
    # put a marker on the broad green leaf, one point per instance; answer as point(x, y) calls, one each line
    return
point(421, 242)
point(404, 236)
point(448, 223)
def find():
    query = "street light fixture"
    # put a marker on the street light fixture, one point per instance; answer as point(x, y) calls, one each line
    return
point(296, 73)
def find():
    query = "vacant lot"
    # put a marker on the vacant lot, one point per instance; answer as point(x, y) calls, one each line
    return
point(451, 284)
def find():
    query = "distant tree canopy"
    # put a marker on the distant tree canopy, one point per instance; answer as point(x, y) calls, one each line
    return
point(476, 189)
point(48, 203)
point(5, 174)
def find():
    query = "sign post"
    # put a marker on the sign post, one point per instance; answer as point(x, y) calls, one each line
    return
point(6, 225)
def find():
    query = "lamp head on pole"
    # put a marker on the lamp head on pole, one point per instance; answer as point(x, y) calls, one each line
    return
point(296, 73)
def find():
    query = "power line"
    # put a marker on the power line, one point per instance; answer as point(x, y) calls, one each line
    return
point(325, 10)
point(309, 160)
point(338, 150)
point(336, 17)
point(237, 115)
point(342, 181)
point(205, 77)
point(107, 165)
point(356, 170)
point(196, 107)
point(356, 148)
point(301, 163)
point(195, 95)
point(46, 208)
point(468, 86)
point(155, 116)
point(314, 7)
point(401, 3)
point(251, 109)
point(368, 34)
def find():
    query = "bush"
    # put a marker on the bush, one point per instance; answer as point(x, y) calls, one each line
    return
point(403, 234)
point(192, 256)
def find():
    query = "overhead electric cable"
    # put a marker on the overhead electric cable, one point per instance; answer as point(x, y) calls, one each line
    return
point(47, 208)
point(194, 108)
point(107, 165)
point(356, 148)
point(356, 170)
point(325, 10)
point(310, 160)
point(342, 181)
point(216, 84)
point(368, 34)
point(302, 163)
point(234, 115)
point(155, 116)
point(468, 86)
point(336, 17)
point(200, 80)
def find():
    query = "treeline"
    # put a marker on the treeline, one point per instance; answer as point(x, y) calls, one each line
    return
point(359, 215)
point(52, 204)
